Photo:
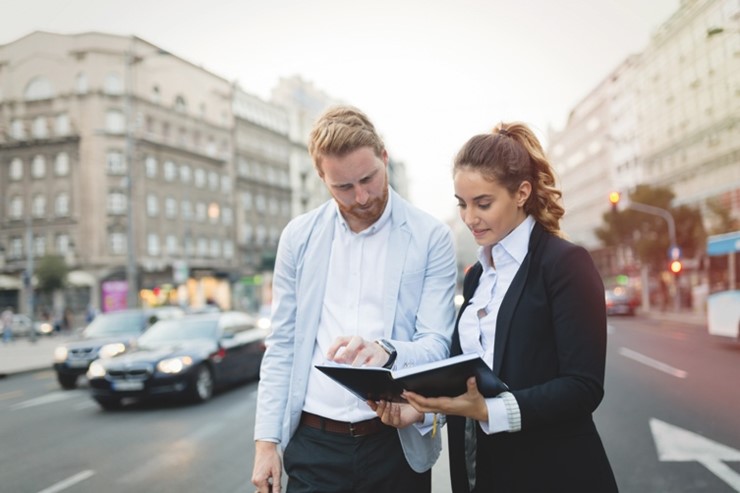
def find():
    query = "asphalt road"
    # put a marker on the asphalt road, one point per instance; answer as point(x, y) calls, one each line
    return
point(671, 394)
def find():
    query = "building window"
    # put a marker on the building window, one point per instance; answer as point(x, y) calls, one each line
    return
point(116, 203)
point(61, 164)
point(200, 178)
point(248, 233)
point(39, 246)
point(38, 206)
point(170, 171)
point(215, 248)
point(61, 126)
point(187, 210)
point(16, 169)
point(117, 243)
point(17, 130)
point(202, 247)
point(213, 180)
point(170, 207)
point(81, 83)
point(115, 164)
point(39, 129)
point(261, 203)
point(62, 244)
point(228, 249)
point(156, 96)
point(151, 167)
point(113, 84)
point(200, 211)
point(247, 200)
point(227, 215)
point(226, 184)
point(152, 244)
point(38, 166)
point(180, 104)
point(39, 88)
point(16, 247)
point(172, 245)
point(115, 122)
point(15, 208)
point(185, 173)
point(152, 205)
point(61, 205)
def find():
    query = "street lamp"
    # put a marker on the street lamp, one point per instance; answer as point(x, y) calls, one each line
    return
point(132, 280)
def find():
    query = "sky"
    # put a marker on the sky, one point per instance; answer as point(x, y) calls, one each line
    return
point(429, 73)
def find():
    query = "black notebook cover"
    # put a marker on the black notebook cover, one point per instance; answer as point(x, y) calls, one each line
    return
point(437, 379)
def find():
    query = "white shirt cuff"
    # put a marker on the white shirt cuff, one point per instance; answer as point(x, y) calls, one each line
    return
point(503, 415)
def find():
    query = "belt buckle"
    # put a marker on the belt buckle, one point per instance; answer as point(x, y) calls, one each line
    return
point(352, 431)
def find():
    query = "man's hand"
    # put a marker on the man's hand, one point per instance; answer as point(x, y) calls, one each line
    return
point(356, 351)
point(395, 414)
point(268, 467)
point(471, 404)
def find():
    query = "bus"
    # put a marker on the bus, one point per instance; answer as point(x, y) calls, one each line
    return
point(723, 303)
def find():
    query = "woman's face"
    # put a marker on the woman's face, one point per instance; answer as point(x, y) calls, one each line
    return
point(487, 208)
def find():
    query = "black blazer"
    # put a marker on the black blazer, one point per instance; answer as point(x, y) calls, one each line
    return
point(550, 349)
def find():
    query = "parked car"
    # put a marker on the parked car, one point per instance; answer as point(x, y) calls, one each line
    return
point(21, 326)
point(185, 358)
point(620, 301)
point(107, 334)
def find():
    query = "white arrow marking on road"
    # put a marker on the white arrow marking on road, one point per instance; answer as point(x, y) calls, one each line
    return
point(652, 363)
point(70, 481)
point(675, 444)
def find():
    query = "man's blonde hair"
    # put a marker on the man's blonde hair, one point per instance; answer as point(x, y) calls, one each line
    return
point(341, 130)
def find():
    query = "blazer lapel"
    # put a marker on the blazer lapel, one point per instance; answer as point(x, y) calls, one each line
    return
point(398, 246)
point(510, 301)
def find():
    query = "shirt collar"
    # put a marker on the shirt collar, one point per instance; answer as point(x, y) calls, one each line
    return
point(375, 227)
point(515, 243)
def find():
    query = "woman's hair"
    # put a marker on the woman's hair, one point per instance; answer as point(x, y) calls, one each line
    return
point(510, 155)
point(341, 130)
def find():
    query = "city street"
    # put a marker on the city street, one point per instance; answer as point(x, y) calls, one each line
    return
point(669, 422)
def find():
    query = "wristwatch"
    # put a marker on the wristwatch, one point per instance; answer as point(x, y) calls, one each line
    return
point(388, 348)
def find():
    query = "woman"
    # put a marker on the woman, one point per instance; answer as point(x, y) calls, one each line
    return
point(534, 310)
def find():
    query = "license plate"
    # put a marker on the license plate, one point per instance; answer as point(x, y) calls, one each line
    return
point(127, 385)
point(78, 363)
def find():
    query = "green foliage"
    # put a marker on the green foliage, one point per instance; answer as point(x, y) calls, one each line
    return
point(723, 220)
point(647, 234)
point(51, 273)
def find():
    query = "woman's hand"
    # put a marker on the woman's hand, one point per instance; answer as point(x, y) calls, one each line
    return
point(395, 414)
point(471, 404)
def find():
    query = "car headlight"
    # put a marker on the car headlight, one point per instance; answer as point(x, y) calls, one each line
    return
point(174, 365)
point(45, 328)
point(110, 350)
point(60, 354)
point(96, 370)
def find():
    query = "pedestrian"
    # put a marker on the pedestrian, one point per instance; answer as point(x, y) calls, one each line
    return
point(6, 320)
point(366, 278)
point(534, 310)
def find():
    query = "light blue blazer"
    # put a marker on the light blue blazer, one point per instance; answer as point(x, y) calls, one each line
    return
point(418, 312)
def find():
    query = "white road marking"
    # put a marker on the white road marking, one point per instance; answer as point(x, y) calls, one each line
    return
point(44, 399)
point(70, 481)
point(652, 363)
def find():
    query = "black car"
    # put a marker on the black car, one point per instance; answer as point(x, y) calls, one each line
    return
point(187, 357)
point(107, 335)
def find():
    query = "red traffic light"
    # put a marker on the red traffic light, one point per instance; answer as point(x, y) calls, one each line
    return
point(614, 198)
point(676, 266)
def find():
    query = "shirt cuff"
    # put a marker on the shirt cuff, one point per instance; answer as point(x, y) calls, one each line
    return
point(503, 415)
point(426, 426)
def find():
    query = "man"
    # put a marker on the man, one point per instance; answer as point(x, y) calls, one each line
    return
point(365, 279)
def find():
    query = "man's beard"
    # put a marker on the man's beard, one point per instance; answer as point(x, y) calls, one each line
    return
point(368, 213)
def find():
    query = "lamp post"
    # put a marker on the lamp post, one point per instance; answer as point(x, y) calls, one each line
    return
point(28, 275)
point(132, 293)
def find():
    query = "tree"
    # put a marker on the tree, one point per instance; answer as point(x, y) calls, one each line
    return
point(724, 222)
point(51, 273)
point(647, 234)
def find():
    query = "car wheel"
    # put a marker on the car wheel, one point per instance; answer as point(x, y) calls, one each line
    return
point(202, 388)
point(68, 382)
point(109, 403)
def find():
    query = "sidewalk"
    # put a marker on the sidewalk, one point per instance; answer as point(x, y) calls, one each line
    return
point(684, 316)
point(21, 355)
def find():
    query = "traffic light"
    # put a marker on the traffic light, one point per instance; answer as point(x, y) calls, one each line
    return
point(614, 199)
point(676, 266)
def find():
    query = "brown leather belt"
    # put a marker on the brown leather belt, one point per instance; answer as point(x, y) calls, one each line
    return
point(361, 428)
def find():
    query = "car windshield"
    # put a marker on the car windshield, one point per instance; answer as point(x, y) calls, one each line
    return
point(115, 323)
point(179, 330)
